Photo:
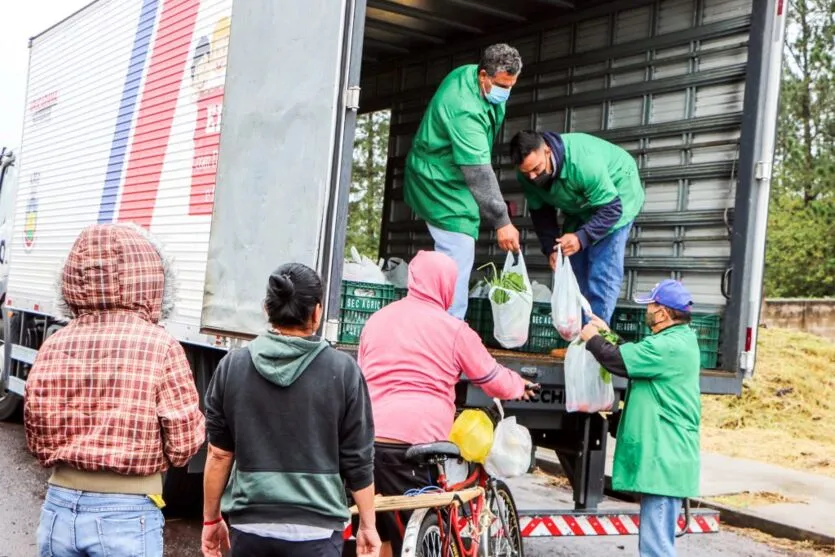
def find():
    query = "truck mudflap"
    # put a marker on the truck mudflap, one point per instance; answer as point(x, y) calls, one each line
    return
point(616, 522)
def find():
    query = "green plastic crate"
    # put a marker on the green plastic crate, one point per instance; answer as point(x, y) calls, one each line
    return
point(400, 293)
point(630, 324)
point(542, 336)
point(359, 301)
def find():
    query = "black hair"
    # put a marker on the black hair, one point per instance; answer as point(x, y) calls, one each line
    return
point(500, 58)
point(523, 144)
point(679, 316)
point(293, 292)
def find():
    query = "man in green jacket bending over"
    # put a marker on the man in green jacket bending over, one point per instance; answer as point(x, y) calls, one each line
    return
point(449, 180)
point(658, 453)
point(597, 187)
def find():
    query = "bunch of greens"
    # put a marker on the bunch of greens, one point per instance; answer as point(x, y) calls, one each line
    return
point(504, 282)
point(612, 338)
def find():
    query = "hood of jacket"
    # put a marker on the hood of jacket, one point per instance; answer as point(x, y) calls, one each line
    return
point(282, 359)
point(117, 267)
point(432, 277)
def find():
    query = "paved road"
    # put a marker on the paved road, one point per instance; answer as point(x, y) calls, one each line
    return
point(22, 482)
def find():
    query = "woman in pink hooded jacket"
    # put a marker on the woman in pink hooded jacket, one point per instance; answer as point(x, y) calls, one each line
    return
point(412, 354)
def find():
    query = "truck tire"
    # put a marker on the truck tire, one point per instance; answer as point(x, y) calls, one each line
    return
point(9, 406)
point(183, 493)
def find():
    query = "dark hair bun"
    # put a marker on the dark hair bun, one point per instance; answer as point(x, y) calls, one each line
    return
point(281, 286)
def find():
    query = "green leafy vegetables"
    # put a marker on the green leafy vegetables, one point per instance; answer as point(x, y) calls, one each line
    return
point(612, 338)
point(503, 282)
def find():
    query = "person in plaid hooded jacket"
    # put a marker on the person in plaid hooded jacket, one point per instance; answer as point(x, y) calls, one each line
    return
point(110, 401)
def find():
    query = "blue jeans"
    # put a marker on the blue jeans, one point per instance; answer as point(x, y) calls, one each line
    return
point(461, 248)
point(599, 272)
point(657, 531)
point(84, 524)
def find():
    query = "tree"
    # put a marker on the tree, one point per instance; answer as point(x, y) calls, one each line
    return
point(368, 185)
point(800, 254)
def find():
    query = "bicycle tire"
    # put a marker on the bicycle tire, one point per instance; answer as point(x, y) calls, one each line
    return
point(428, 541)
point(514, 546)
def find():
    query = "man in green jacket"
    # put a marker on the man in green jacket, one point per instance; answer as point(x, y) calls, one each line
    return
point(597, 187)
point(449, 181)
point(657, 453)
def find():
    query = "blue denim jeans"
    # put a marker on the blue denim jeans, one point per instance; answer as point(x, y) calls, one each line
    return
point(84, 524)
point(599, 272)
point(657, 531)
point(461, 248)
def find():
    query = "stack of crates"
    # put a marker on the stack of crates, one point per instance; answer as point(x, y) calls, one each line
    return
point(542, 336)
point(359, 301)
point(629, 324)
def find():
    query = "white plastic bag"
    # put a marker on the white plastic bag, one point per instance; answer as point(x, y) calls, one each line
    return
point(512, 319)
point(510, 455)
point(567, 303)
point(541, 293)
point(396, 272)
point(587, 387)
point(362, 269)
point(480, 290)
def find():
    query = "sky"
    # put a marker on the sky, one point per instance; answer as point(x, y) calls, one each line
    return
point(19, 21)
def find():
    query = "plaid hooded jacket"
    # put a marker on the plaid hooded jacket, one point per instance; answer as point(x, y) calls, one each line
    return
point(113, 391)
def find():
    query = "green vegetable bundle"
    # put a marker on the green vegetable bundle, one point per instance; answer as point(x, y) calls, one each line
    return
point(505, 281)
point(612, 338)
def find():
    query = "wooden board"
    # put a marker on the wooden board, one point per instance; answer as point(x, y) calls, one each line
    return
point(427, 500)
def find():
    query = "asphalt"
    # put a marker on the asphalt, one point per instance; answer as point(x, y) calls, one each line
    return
point(23, 483)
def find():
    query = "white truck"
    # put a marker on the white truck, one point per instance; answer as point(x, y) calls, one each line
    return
point(226, 128)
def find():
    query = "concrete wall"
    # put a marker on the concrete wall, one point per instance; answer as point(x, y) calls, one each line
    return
point(811, 315)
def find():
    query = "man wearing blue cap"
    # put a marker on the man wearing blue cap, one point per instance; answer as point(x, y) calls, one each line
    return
point(657, 453)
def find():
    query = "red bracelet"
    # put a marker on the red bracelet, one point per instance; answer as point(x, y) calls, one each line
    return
point(213, 522)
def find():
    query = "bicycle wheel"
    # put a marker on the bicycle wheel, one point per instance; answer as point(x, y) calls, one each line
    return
point(429, 539)
point(505, 535)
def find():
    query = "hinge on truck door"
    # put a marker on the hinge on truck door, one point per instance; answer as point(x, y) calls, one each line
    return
point(762, 171)
point(352, 98)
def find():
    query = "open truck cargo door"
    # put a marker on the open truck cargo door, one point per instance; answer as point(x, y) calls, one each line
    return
point(288, 118)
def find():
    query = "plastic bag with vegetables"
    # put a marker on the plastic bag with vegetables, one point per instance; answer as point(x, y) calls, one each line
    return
point(511, 300)
point(586, 388)
point(567, 302)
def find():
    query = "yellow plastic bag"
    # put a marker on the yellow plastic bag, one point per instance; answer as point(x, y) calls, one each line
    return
point(472, 432)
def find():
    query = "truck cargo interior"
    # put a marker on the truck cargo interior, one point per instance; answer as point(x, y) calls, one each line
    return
point(663, 79)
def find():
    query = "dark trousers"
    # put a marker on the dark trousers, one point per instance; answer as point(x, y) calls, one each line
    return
point(250, 545)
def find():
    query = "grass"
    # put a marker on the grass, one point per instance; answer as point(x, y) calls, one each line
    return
point(786, 411)
point(798, 549)
point(747, 499)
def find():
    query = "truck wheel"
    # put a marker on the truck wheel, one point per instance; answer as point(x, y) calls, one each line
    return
point(9, 406)
point(9, 402)
point(183, 493)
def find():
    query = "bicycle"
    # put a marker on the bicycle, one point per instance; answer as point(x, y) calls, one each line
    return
point(481, 518)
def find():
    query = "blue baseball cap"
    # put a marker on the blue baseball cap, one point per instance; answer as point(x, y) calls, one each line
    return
point(669, 293)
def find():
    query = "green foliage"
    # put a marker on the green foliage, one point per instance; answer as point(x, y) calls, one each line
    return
point(800, 255)
point(365, 207)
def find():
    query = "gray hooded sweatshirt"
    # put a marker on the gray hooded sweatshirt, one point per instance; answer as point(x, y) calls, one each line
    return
point(297, 415)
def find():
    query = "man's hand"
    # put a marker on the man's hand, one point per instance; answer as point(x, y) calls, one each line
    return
point(599, 323)
point(215, 540)
point(530, 390)
point(368, 541)
point(552, 259)
point(589, 332)
point(570, 244)
point(508, 237)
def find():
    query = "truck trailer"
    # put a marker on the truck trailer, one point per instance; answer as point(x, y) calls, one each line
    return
point(226, 128)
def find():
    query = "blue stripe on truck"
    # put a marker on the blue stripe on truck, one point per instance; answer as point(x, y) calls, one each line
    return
point(130, 95)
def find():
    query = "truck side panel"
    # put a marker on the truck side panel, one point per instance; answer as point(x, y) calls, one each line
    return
point(123, 122)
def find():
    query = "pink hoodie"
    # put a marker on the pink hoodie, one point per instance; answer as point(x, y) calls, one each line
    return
point(413, 353)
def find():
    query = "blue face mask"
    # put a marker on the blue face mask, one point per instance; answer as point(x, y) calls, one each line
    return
point(497, 94)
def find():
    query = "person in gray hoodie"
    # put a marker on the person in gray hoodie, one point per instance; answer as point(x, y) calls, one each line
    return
point(289, 424)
